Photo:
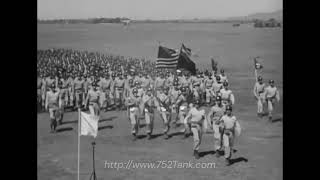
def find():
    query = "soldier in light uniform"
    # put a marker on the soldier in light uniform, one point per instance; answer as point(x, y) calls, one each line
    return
point(271, 95)
point(159, 83)
point(51, 104)
point(133, 105)
point(62, 86)
point(39, 95)
point(216, 111)
point(197, 117)
point(223, 77)
point(174, 93)
point(227, 96)
point(70, 94)
point(148, 105)
point(86, 84)
point(182, 104)
point(43, 92)
point(259, 92)
point(119, 91)
point(228, 128)
point(196, 82)
point(108, 87)
point(93, 99)
point(78, 89)
point(145, 81)
point(163, 101)
point(217, 85)
point(209, 89)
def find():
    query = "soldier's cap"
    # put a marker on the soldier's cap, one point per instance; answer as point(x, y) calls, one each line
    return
point(271, 81)
point(259, 78)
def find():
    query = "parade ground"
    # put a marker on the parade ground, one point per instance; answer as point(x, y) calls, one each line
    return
point(258, 151)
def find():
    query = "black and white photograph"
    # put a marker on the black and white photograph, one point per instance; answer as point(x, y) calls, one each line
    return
point(159, 89)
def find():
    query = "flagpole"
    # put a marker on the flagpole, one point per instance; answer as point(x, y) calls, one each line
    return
point(79, 129)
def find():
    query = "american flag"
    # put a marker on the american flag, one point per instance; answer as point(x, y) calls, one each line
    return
point(167, 58)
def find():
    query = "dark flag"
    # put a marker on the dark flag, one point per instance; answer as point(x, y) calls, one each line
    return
point(214, 65)
point(185, 61)
point(167, 58)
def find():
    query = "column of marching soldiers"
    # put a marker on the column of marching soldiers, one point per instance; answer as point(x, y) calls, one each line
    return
point(75, 79)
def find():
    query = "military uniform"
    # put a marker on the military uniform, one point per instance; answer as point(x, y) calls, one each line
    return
point(209, 89)
point(217, 112)
point(78, 89)
point(226, 97)
point(271, 95)
point(93, 101)
point(259, 92)
point(228, 125)
point(197, 117)
point(52, 100)
point(163, 108)
point(148, 102)
point(133, 106)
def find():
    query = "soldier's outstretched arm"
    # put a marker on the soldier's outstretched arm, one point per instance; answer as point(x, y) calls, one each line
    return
point(46, 103)
point(278, 95)
point(210, 114)
point(232, 98)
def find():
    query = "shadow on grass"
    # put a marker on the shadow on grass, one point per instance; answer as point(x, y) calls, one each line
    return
point(64, 129)
point(176, 134)
point(105, 127)
point(141, 136)
point(154, 136)
point(276, 120)
point(237, 160)
point(204, 153)
point(107, 119)
point(70, 122)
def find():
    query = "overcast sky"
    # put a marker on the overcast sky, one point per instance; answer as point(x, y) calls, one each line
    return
point(153, 9)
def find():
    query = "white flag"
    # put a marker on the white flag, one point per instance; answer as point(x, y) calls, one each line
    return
point(89, 124)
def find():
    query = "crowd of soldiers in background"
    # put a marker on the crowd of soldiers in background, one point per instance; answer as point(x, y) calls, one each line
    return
point(69, 79)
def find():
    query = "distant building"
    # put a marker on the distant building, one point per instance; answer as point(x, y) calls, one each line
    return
point(271, 23)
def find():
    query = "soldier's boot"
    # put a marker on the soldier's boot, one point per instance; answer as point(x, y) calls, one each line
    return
point(54, 125)
point(196, 154)
point(134, 136)
point(51, 125)
point(228, 162)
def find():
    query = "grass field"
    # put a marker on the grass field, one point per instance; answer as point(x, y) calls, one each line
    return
point(260, 143)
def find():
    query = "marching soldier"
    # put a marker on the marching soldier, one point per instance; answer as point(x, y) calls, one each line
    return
point(229, 128)
point(86, 84)
point(163, 101)
point(70, 94)
point(62, 86)
point(93, 99)
point(259, 92)
point(209, 89)
point(51, 104)
point(217, 85)
point(119, 91)
point(182, 104)
point(215, 114)
point(197, 117)
point(271, 95)
point(148, 104)
point(226, 95)
point(174, 93)
point(39, 85)
point(159, 83)
point(78, 89)
point(223, 77)
point(133, 106)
